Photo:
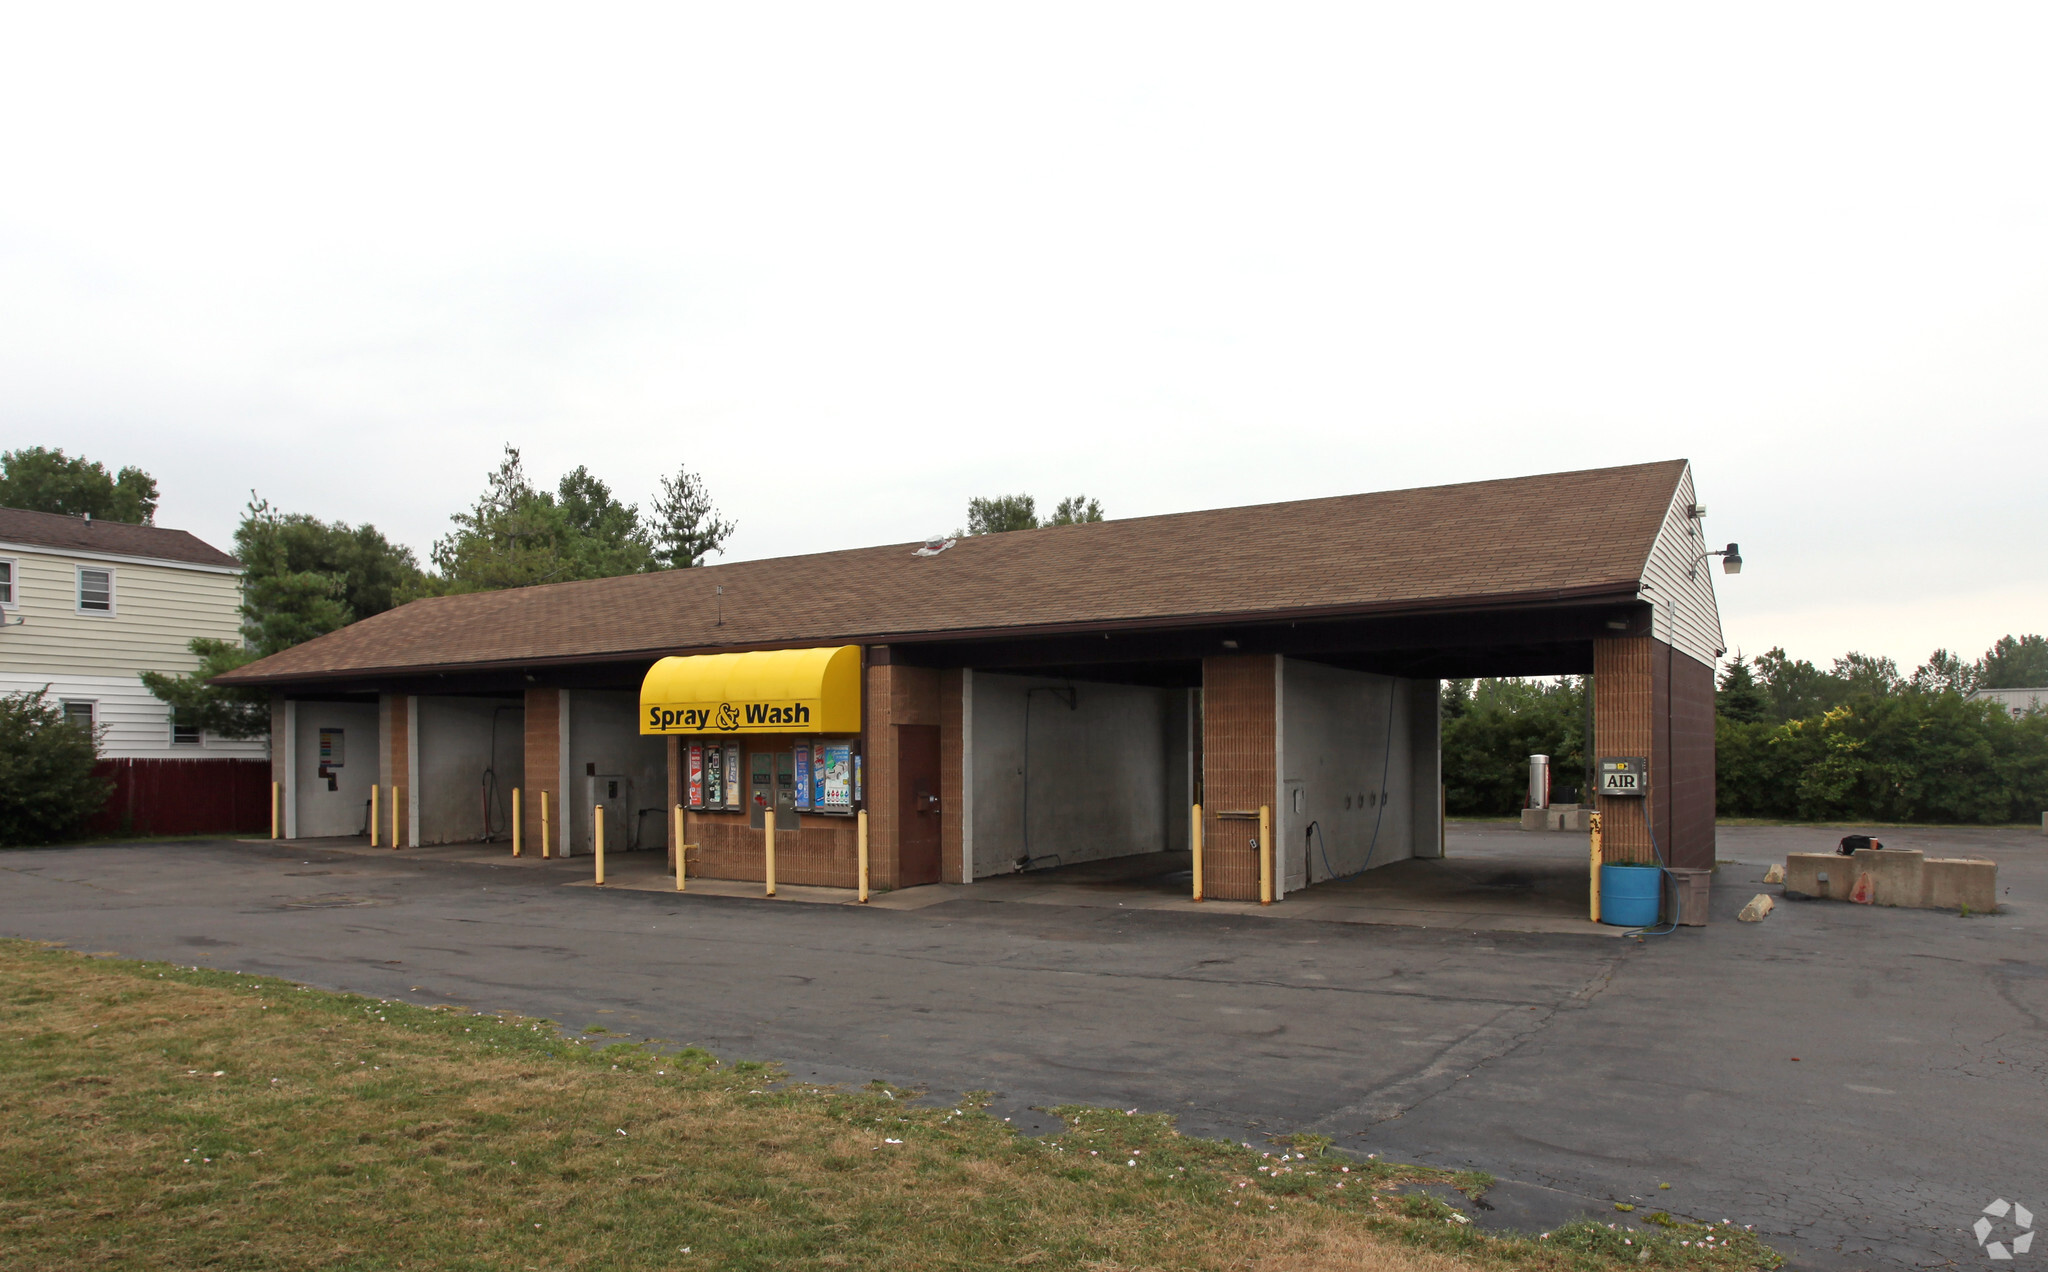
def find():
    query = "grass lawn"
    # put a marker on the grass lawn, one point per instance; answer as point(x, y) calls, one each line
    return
point(165, 1117)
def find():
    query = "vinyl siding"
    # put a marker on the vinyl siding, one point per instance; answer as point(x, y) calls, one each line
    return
point(158, 609)
point(135, 724)
point(1687, 615)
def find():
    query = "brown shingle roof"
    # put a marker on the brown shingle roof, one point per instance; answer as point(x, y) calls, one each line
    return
point(1579, 533)
point(76, 534)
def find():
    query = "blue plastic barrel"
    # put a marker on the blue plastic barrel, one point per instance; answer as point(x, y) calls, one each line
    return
point(1629, 895)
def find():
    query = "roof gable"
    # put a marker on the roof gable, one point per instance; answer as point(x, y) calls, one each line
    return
point(111, 538)
point(1563, 534)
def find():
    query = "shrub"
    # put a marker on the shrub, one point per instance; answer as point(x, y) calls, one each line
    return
point(47, 786)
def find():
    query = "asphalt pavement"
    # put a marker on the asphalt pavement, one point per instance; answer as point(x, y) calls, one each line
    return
point(1856, 1083)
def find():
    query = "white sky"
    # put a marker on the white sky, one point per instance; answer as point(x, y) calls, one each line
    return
point(855, 263)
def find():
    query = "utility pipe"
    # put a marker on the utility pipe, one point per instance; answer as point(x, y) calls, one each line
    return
point(1265, 854)
point(768, 835)
point(1195, 846)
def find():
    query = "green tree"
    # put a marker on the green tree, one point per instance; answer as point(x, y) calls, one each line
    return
point(2014, 663)
point(301, 577)
point(1740, 698)
point(1944, 672)
point(685, 527)
point(1001, 514)
point(42, 480)
point(1795, 688)
point(517, 535)
point(1486, 747)
point(221, 711)
point(304, 577)
point(47, 786)
point(1075, 510)
point(1867, 675)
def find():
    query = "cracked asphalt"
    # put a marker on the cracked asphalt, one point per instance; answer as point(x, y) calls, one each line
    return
point(1580, 1070)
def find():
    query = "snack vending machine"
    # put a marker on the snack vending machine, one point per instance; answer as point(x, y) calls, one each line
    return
point(714, 777)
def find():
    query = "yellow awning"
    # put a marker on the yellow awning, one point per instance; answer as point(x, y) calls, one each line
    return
point(773, 691)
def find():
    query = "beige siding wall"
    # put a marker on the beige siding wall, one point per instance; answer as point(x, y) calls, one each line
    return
point(1688, 616)
point(158, 609)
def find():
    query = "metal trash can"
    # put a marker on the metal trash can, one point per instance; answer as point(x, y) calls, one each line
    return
point(1685, 896)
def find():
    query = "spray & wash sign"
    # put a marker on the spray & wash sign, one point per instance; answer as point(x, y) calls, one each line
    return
point(766, 691)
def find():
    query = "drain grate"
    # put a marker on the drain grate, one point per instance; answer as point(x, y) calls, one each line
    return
point(329, 901)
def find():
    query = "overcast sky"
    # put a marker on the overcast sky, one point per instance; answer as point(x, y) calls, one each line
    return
point(855, 263)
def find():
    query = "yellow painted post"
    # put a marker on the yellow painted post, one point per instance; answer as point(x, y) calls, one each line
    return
point(516, 822)
point(544, 833)
point(1265, 854)
point(1195, 845)
point(768, 835)
point(1594, 822)
point(275, 802)
point(374, 791)
point(682, 849)
point(397, 796)
point(861, 835)
point(599, 827)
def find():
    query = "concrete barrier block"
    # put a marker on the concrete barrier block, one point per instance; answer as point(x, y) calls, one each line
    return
point(1578, 819)
point(1895, 874)
point(1759, 906)
point(1825, 875)
point(1552, 819)
point(1954, 882)
point(1534, 819)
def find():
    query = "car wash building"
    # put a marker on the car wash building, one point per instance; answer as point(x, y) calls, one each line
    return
point(1032, 699)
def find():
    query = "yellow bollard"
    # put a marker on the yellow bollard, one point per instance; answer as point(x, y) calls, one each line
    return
point(860, 822)
point(374, 791)
point(544, 840)
point(515, 821)
point(1265, 854)
point(1195, 845)
point(1594, 822)
point(397, 795)
point(599, 823)
point(682, 849)
point(274, 803)
point(768, 834)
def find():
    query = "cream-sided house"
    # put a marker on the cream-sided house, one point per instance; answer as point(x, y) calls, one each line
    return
point(88, 606)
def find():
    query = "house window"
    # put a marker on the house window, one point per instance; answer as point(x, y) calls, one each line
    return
point(79, 713)
point(6, 582)
point(96, 591)
point(184, 727)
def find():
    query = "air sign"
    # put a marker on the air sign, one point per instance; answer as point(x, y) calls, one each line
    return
point(1624, 775)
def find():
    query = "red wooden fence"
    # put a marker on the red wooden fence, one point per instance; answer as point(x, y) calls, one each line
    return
point(185, 797)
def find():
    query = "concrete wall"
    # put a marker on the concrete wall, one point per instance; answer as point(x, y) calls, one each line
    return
point(604, 730)
point(317, 810)
point(1358, 772)
point(456, 750)
point(1101, 784)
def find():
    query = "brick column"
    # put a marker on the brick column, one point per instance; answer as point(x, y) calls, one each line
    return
point(543, 768)
point(1240, 718)
point(1652, 700)
point(394, 765)
point(1625, 723)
